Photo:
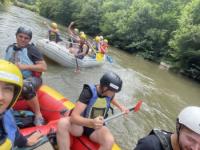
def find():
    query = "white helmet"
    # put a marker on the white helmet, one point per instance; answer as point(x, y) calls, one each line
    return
point(101, 37)
point(190, 117)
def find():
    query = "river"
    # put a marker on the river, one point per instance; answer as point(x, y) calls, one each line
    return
point(163, 93)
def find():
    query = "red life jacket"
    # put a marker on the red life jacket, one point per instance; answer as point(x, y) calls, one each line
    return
point(36, 74)
point(103, 48)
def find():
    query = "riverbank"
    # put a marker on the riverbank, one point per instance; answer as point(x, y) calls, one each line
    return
point(33, 8)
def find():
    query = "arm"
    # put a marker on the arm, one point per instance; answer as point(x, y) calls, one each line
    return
point(119, 106)
point(40, 66)
point(76, 117)
point(69, 30)
point(71, 33)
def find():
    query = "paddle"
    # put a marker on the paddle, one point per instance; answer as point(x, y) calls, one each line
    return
point(99, 56)
point(136, 108)
point(77, 66)
point(109, 59)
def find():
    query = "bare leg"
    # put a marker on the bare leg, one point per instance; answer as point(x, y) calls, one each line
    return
point(64, 128)
point(77, 66)
point(34, 104)
point(104, 137)
point(73, 50)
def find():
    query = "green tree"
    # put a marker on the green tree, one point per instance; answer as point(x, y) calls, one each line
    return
point(3, 2)
point(88, 16)
point(185, 44)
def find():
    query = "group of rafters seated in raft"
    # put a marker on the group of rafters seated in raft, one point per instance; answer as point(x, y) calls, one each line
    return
point(79, 45)
point(20, 76)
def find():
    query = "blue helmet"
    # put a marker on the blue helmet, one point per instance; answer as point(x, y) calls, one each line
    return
point(24, 30)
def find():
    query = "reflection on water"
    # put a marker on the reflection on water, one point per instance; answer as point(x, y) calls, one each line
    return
point(164, 94)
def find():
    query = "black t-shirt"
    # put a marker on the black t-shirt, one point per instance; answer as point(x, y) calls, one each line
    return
point(85, 95)
point(152, 142)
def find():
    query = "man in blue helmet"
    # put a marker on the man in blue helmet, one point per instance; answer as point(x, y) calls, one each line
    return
point(31, 63)
point(87, 118)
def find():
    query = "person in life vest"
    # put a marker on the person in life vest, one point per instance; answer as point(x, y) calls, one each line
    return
point(31, 63)
point(83, 47)
point(54, 34)
point(97, 44)
point(186, 137)
point(82, 50)
point(11, 82)
point(87, 118)
point(73, 32)
point(104, 46)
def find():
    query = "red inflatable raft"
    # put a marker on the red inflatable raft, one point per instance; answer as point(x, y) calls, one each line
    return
point(52, 104)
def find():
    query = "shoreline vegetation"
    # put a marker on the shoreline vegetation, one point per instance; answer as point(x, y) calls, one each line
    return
point(33, 8)
point(165, 32)
point(4, 2)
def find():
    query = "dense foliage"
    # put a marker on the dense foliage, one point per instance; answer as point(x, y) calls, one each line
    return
point(159, 30)
point(4, 2)
point(185, 44)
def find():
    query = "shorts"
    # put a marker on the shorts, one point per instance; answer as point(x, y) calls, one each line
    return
point(31, 85)
point(88, 131)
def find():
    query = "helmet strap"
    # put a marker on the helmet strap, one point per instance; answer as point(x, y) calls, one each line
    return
point(178, 129)
point(102, 91)
point(178, 126)
point(16, 91)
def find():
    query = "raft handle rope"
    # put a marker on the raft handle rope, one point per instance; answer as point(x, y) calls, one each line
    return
point(62, 111)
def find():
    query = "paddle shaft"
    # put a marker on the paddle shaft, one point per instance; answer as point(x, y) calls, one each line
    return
point(77, 66)
point(117, 115)
point(92, 47)
point(135, 109)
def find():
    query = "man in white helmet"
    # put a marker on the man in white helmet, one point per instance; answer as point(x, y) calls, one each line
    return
point(187, 136)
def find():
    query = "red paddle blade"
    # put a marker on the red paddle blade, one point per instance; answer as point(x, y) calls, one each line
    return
point(137, 106)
